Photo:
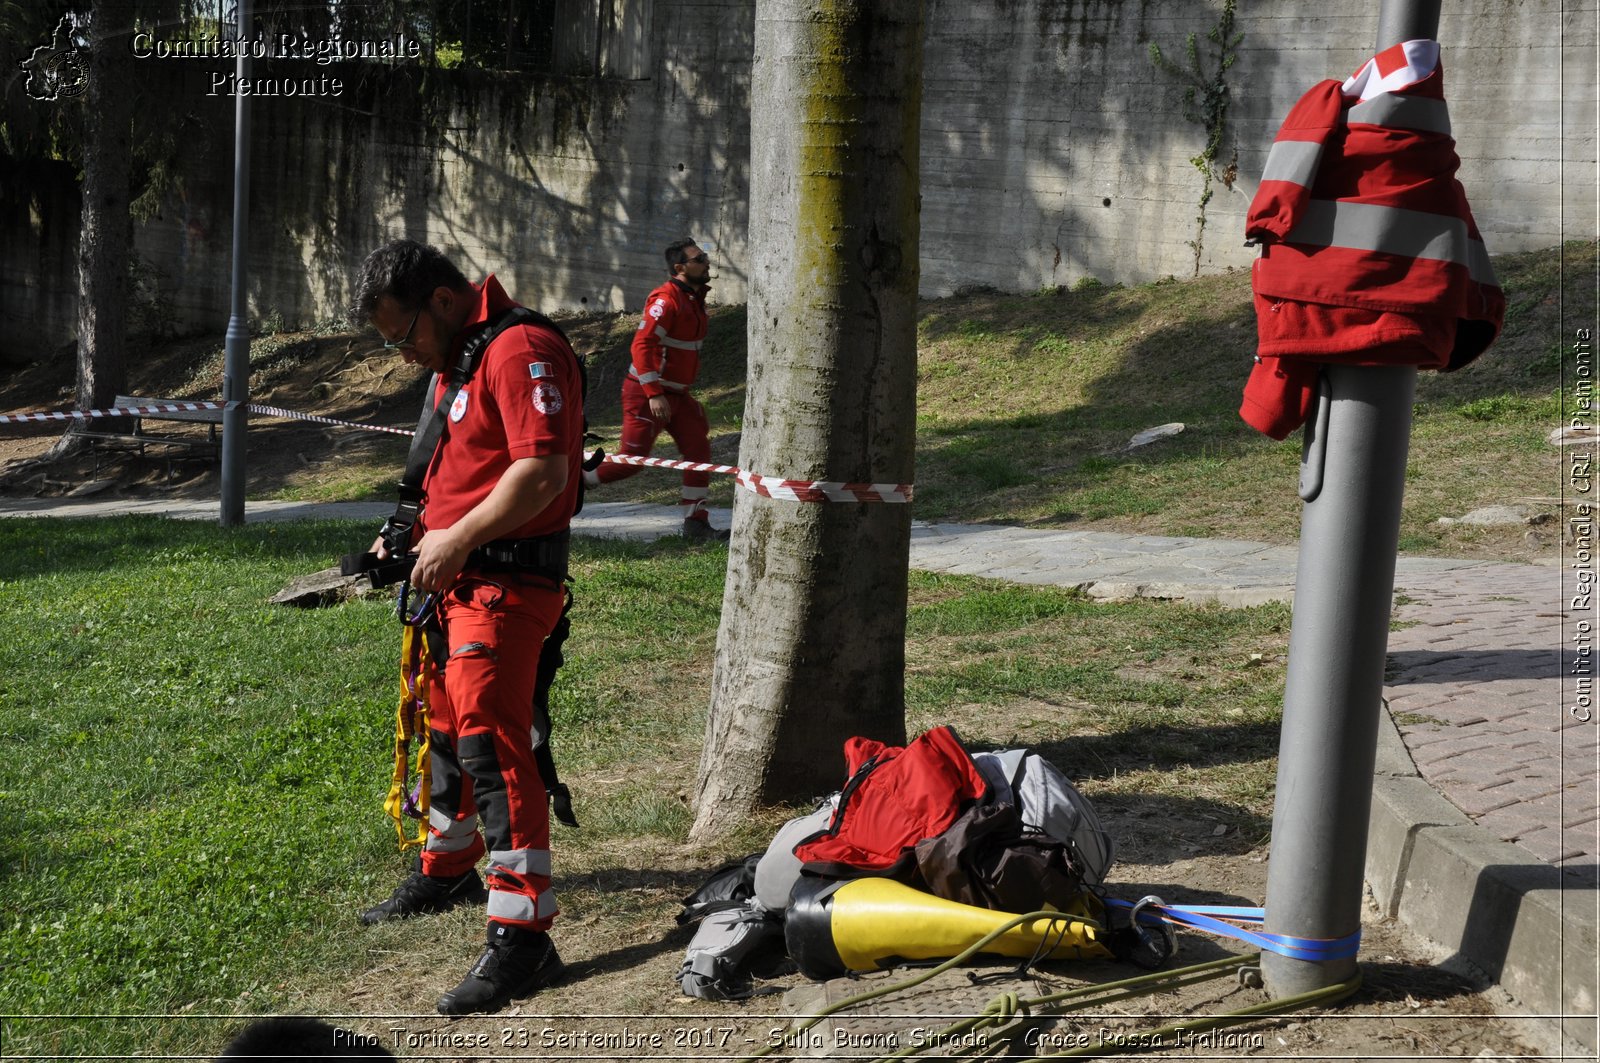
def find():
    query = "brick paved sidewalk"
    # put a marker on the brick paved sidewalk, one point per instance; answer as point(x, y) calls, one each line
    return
point(1480, 689)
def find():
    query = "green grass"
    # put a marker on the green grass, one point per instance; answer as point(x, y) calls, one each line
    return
point(193, 774)
point(194, 777)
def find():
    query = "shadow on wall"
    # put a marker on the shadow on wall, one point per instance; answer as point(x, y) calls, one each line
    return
point(567, 187)
point(1054, 148)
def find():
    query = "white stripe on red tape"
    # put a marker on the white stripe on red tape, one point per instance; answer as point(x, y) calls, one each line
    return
point(766, 486)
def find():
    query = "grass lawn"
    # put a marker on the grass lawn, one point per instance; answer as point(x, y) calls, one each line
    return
point(195, 777)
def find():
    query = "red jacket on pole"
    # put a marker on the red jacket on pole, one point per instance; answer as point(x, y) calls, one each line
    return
point(1370, 253)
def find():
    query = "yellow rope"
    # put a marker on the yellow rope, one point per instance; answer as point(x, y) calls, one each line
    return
point(411, 721)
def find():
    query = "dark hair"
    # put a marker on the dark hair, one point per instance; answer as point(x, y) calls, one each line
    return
point(674, 252)
point(295, 1037)
point(407, 272)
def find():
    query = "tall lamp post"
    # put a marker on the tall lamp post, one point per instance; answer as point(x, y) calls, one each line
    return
point(236, 361)
point(1352, 480)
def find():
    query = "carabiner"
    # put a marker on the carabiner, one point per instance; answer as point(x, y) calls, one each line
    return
point(402, 607)
point(1160, 945)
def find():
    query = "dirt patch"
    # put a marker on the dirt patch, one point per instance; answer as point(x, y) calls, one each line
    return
point(325, 374)
point(620, 998)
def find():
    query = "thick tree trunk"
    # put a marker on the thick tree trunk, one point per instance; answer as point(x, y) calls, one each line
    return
point(812, 644)
point(107, 229)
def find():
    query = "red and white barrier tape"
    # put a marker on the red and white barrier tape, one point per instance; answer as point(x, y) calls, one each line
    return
point(152, 409)
point(788, 490)
point(115, 411)
point(766, 486)
point(277, 411)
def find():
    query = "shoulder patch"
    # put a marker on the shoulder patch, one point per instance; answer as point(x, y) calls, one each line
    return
point(657, 307)
point(547, 398)
point(539, 370)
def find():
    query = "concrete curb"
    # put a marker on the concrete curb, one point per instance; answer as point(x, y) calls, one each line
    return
point(1497, 914)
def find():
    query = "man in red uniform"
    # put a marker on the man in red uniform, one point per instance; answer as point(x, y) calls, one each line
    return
point(491, 544)
point(655, 393)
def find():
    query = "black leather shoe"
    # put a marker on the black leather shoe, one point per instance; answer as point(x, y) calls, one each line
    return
point(515, 963)
point(425, 894)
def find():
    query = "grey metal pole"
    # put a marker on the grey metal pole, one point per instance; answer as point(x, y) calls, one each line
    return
point(236, 350)
point(1343, 588)
point(1353, 479)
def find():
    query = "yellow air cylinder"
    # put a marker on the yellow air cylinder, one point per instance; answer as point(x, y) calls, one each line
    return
point(874, 922)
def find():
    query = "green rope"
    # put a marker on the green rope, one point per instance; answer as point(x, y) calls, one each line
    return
point(1002, 1009)
point(1156, 1038)
point(1139, 985)
point(932, 972)
point(1007, 1007)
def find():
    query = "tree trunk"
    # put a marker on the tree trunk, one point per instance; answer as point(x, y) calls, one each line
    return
point(812, 644)
point(107, 226)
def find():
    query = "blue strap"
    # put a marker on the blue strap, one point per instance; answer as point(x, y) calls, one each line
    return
point(1210, 919)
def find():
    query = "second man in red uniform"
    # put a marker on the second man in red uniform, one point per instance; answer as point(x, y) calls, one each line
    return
point(655, 394)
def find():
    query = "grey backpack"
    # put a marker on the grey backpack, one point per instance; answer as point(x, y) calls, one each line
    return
point(1048, 803)
point(737, 938)
point(730, 946)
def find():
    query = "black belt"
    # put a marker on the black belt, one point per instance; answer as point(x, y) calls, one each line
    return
point(544, 555)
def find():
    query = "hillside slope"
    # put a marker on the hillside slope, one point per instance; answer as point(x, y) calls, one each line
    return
point(1026, 404)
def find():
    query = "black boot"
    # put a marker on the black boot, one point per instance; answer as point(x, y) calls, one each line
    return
point(426, 894)
point(515, 963)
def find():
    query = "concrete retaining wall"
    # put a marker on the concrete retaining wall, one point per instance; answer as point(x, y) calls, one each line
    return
point(1053, 148)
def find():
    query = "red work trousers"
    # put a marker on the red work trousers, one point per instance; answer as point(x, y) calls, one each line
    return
point(688, 428)
point(482, 744)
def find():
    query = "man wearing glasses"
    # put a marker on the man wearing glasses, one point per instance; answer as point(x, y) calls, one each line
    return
point(490, 547)
point(655, 393)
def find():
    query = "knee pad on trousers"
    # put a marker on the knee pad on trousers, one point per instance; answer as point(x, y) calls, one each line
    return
point(481, 763)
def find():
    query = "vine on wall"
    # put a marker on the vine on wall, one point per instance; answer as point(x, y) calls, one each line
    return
point(1205, 102)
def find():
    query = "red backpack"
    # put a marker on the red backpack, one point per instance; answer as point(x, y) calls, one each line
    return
point(895, 797)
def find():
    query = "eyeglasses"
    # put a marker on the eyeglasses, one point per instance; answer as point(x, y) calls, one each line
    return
point(404, 341)
point(697, 260)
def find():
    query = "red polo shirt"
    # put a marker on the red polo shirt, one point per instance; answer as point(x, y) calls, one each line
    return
point(524, 400)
